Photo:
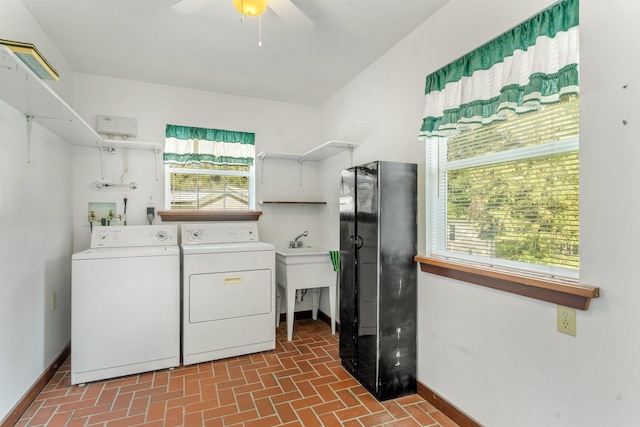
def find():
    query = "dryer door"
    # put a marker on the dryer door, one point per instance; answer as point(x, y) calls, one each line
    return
point(227, 295)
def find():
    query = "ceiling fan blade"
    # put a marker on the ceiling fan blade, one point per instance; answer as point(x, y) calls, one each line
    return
point(190, 6)
point(290, 14)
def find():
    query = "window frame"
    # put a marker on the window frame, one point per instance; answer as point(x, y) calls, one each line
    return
point(537, 283)
point(250, 174)
point(437, 244)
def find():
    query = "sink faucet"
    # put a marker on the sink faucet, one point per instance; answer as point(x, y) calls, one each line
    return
point(297, 243)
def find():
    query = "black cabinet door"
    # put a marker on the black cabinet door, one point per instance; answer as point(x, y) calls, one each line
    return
point(347, 269)
point(367, 210)
point(397, 280)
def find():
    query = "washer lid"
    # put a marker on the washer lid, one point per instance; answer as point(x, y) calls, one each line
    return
point(226, 247)
point(127, 252)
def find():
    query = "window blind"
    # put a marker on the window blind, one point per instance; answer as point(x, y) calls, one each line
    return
point(508, 192)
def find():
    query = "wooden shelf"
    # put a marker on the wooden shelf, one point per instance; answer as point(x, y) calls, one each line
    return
point(555, 291)
point(286, 202)
point(21, 88)
point(190, 215)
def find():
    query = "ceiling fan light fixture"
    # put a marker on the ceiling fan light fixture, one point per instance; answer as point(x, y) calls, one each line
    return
point(250, 7)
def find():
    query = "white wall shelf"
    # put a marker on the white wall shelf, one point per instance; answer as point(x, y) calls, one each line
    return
point(284, 156)
point(26, 92)
point(321, 152)
point(132, 144)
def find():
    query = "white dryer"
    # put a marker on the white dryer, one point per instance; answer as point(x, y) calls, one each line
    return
point(125, 302)
point(228, 291)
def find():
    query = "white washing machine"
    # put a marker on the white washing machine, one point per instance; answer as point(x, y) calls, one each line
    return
point(125, 302)
point(228, 291)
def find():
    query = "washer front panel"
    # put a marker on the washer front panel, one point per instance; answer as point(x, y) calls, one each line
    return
point(125, 316)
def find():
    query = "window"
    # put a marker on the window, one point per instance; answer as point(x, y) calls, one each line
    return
point(209, 169)
point(506, 193)
point(210, 187)
point(501, 129)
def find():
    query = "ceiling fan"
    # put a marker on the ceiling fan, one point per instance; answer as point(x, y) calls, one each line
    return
point(285, 9)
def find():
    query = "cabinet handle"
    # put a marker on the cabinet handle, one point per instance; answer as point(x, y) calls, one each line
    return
point(358, 241)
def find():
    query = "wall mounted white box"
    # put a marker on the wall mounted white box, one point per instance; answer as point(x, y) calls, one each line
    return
point(120, 126)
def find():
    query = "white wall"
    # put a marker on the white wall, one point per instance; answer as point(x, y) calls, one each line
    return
point(35, 259)
point(278, 126)
point(35, 213)
point(495, 355)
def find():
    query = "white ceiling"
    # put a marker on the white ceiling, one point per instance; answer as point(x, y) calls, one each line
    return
point(146, 40)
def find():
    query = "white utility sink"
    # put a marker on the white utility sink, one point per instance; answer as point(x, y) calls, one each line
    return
point(305, 268)
point(289, 255)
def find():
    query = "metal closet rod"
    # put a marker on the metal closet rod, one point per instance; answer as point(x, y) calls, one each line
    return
point(98, 185)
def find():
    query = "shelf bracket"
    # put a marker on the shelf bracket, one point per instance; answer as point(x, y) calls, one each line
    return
point(102, 160)
point(156, 151)
point(29, 126)
point(300, 172)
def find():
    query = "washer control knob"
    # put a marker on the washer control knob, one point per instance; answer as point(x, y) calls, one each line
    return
point(162, 235)
point(196, 234)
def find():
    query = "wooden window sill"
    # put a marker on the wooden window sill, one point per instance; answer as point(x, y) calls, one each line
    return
point(560, 292)
point(186, 215)
point(285, 202)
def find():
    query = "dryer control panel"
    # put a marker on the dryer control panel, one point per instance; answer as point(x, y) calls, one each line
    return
point(223, 232)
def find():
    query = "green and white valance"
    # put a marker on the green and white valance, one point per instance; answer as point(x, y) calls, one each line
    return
point(184, 145)
point(533, 64)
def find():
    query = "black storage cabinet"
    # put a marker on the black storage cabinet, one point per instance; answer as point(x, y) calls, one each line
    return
point(378, 298)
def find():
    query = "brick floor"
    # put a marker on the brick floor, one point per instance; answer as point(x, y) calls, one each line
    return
point(300, 383)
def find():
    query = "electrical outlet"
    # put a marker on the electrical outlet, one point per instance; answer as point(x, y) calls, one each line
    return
point(54, 301)
point(567, 320)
